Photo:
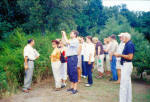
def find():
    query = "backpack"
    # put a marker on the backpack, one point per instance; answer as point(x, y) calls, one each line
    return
point(62, 58)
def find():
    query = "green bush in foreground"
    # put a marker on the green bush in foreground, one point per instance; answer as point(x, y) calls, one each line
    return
point(11, 59)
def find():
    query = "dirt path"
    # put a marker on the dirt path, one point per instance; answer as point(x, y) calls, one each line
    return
point(101, 91)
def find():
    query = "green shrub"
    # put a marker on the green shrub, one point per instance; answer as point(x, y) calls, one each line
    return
point(11, 58)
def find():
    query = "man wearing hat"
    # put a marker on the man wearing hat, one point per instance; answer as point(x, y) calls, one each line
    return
point(126, 71)
point(119, 51)
point(30, 54)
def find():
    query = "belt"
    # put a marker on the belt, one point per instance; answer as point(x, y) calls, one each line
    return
point(71, 56)
point(124, 62)
point(29, 60)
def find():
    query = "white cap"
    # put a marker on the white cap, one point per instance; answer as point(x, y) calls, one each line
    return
point(121, 34)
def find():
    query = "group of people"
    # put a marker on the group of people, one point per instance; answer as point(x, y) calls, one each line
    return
point(76, 57)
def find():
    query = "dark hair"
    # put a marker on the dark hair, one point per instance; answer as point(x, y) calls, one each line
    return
point(113, 36)
point(75, 32)
point(30, 40)
point(55, 41)
point(89, 37)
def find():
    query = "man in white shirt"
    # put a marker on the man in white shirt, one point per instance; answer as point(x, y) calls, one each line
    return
point(119, 51)
point(89, 59)
point(112, 49)
point(30, 54)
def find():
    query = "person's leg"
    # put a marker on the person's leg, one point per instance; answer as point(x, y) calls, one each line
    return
point(125, 85)
point(108, 64)
point(56, 73)
point(119, 76)
point(129, 90)
point(63, 74)
point(89, 73)
point(82, 65)
point(101, 64)
point(79, 74)
point(113, 68)
point(90, 79)
point(28, 76)
point(123, 92)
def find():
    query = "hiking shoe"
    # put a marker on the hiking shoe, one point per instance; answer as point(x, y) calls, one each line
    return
point(88, 85)
point(74, 91)
point(99, 77)
point(71, 89)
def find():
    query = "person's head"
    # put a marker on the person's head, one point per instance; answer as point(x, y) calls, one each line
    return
point(31, 42)
point(55, 43)
point(74, 34)
point(79, 39)
point(126, 37)
point(112, 37)
point(88, 39)
point(58, 42)
point(82, 39)
point(95, 40)
point(106, 41)
point(121, 36)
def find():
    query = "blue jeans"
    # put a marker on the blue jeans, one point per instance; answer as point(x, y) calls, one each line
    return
point(113, 68)
point(84, 73)
point(89, 72)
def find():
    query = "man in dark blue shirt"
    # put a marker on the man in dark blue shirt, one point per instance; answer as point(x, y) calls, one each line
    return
point(126, 70)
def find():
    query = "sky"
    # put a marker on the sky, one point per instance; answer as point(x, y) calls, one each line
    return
point(132, 5)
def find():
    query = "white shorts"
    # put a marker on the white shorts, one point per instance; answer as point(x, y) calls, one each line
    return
point(118, 64)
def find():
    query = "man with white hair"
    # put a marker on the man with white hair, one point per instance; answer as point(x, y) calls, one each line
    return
point(126, 62)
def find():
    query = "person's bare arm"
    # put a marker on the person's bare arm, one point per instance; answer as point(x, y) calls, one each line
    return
point(90, 58)
point(64, 36)
point(26, 63)
point(80, 49)
point(128, 57)
point(99, 50)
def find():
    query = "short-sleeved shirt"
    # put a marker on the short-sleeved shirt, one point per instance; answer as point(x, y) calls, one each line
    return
point(99, 44)
point(120, 49)
point(90, 49)
point(113, 47)
point(129, 48)
point(72, 47)
point(30, 52)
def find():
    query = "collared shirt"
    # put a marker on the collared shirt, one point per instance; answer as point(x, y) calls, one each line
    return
point(128, 49)
point(120, 49)
point(90, 49)
point(55, 56)
point(30, 52)
point(72, 47)
point(99, 44)
point(113, 47)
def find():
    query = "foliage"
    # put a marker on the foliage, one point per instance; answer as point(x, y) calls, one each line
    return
point(142, 46)
point(11, 58)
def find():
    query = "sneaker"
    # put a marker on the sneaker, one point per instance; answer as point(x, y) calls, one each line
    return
point(63, 86)
point(74, 91)
point(111, 79)
point(57, 89)
point(71, 89)
point(99, 77)
point(25, 91)
point(88, 85)
point(84, 76)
